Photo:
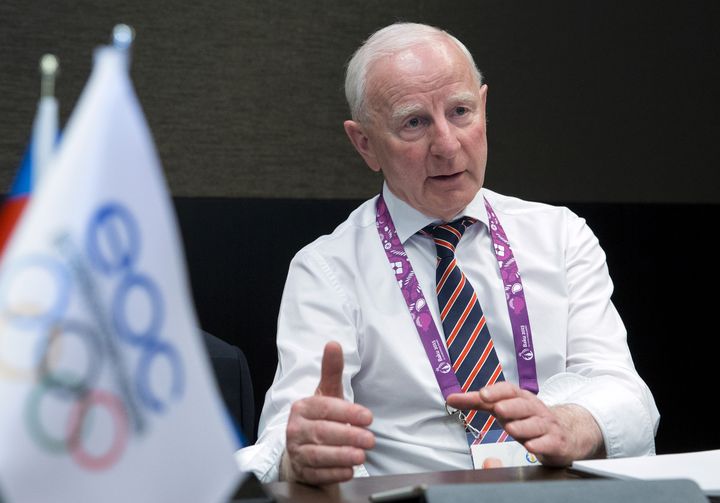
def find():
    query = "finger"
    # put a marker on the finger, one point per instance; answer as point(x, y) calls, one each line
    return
point(324, 456)
point(487, 397)
point(322, 476)
point(513, 409)
point(331, 409)
point(329, 433)
point(501, 391)
point(469, 400)
point(527, 429)
point(331, 371)
point(549, 450)
point(492, 463)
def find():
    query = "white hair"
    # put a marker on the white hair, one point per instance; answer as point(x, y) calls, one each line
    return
point(385, 42)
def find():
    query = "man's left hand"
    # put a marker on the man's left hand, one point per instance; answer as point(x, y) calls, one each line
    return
point(556, 435)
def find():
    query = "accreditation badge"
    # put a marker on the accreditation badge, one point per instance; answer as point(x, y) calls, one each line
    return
point(510, 453)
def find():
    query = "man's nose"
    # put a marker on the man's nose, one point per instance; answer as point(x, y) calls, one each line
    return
point(444, 140)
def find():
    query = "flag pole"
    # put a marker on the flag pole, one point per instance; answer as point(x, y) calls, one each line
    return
point(45, 127)
point(122, 39)
point(49, 69)
point(123, 36)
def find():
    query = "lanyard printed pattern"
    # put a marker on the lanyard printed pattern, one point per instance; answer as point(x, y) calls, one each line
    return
point(416, 303)
point(423, 321)
point(517, 308)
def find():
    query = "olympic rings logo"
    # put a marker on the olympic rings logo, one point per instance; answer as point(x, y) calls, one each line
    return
point(68, 358)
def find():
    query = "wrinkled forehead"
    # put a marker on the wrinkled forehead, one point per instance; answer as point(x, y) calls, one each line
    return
point(418, 68)
point(423, 57)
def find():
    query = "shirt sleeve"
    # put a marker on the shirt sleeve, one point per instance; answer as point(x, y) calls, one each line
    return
point(600, 376)
point(314, 310)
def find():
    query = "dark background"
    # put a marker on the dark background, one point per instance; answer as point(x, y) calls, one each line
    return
point(609, 101)
point(608, 107)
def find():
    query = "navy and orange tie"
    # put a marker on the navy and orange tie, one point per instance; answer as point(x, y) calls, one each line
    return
point(466, 333)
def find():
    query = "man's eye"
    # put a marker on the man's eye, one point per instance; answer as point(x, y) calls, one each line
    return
point(461, 110)
point(413, 123)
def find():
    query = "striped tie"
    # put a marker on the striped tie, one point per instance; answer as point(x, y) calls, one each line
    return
point(468, 339)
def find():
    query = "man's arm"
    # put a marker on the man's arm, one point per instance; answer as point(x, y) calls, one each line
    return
point(599, 406)
point(600, 375)
point(315, 309)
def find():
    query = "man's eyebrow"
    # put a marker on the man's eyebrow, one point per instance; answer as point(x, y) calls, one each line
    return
point(403, 111)
point(463, 97)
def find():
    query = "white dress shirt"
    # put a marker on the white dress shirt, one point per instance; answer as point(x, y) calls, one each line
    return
point(342, 288)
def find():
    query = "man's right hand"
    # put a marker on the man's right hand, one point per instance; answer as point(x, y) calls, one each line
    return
point(326, 435)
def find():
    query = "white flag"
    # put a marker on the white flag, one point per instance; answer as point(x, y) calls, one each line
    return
point(105, 390)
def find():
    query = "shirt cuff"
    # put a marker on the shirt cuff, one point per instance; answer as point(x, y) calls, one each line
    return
point(259, 458)
point(627, 424)
point(263, 459)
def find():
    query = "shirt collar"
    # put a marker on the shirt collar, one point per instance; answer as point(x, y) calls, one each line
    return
point(408, 221)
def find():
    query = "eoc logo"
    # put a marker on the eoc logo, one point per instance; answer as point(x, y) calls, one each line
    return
point(444, 368)
point(86, 324)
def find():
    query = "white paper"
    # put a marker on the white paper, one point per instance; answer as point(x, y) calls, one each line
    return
point(509, 453)
point(703, 467)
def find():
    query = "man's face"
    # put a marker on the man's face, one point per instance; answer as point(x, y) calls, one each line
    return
point(425, 128)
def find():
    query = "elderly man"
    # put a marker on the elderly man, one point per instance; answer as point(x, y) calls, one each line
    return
point(443, 319)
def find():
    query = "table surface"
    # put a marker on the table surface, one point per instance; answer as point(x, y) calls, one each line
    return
point(359, 489)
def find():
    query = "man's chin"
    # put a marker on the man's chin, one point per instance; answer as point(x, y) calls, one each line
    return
point(449, 203)
point(445, 211)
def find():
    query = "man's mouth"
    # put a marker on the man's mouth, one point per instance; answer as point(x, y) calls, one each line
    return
point(447, 177)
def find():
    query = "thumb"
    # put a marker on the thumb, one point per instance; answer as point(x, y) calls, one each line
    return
point(331, 371)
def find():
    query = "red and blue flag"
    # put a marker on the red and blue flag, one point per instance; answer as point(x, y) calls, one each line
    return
point(16, 199)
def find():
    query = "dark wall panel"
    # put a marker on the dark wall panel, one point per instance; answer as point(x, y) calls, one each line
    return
point(589, 100)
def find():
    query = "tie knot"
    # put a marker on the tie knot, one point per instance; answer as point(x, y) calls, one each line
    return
point(447, 236)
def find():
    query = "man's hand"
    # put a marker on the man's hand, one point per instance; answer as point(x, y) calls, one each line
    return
point(326, 434)
point(556, 435)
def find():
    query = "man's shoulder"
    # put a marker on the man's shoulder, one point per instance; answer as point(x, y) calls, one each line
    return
point(514, 204)
point(356, 227)
point(530, 221)
point(511, 206)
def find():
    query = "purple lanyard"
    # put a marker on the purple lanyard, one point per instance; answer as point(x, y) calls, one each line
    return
point(420, 313)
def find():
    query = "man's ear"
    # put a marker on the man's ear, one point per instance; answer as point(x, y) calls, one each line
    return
point(361, 142)
point(483, 99)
